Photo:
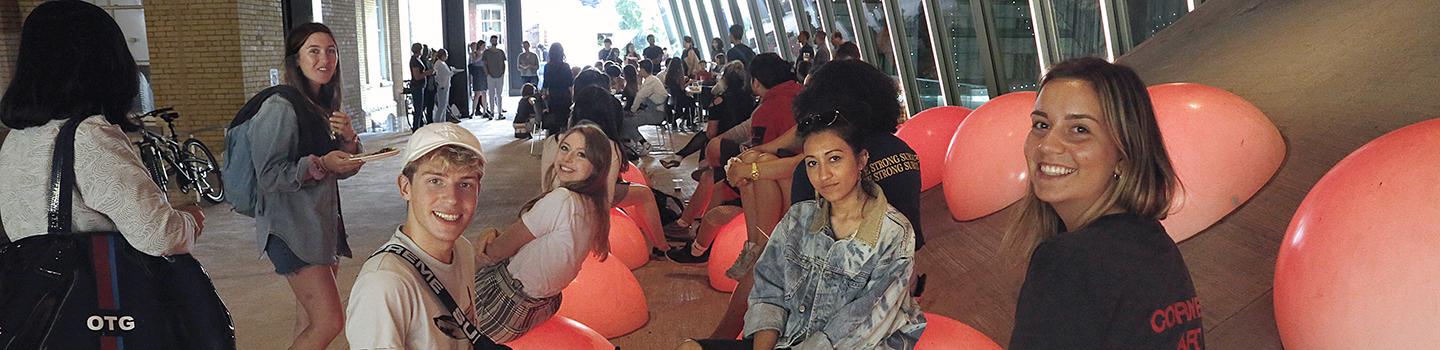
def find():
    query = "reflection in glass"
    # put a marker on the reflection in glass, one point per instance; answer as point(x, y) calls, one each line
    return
point(874, 20)
point(790, 28)
point(920, 54)
point(1019, 66)
point(768, 27)
point(743, 17)
point(1149, 17)
point(842, 21)
point(963, 43)
point(1077, 28)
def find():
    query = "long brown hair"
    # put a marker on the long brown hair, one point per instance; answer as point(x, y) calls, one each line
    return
point(596, 190)
point(1146, 180)
point(329, 98)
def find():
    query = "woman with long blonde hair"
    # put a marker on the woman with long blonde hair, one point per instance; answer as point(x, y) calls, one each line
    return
point(1103, 273)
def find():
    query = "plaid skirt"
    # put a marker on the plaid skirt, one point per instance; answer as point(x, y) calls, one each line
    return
point(502, 310)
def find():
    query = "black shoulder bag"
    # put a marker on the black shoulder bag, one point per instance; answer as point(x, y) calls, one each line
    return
point(458, 322)
point(93, 290)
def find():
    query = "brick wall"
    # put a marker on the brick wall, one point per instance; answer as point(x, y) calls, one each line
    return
point(197, 64)
point(399, 57)
point(340, 16)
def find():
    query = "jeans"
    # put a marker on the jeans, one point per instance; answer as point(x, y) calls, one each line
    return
point(496, 94)
point(417, 96)
point(442, 104)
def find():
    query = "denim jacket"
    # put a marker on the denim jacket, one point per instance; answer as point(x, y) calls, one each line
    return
point(823, 293)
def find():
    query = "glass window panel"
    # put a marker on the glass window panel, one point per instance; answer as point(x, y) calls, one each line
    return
point(699, 29)
point(768, 27)
point(791, 28)
point(1015, 43)
point(874, 21)
point(963, 43)
point(1149, 17)
point(842, 21)
point(917, 45)
point(1077, 28)
point(812, 15)
point(749, 23)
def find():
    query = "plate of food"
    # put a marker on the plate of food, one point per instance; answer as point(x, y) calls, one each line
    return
point(379, 154)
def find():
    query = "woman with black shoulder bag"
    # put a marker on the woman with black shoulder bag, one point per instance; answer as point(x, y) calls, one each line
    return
point(98, 257)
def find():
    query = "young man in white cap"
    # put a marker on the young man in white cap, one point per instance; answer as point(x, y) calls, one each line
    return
point(415, 291)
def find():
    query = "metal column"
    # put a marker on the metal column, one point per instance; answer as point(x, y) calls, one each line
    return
point(755, 26)
point(703, 43)
point(863, 36)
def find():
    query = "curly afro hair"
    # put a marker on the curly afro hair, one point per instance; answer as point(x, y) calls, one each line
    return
point(865, 96)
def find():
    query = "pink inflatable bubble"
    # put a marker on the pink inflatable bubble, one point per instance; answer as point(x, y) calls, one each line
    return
point(626, 241)
point(1223, 150)
point(929, 134)
point(944, 333)
point(606, 297)
point(634, 175)
point(985, 165)
point(560, 333)
point(1360, 264)
point(724, 252)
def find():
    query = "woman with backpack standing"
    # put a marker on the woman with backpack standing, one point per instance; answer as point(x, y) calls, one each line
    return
point(300, 146)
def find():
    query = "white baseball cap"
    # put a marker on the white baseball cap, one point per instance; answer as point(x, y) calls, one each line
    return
point(435, 135)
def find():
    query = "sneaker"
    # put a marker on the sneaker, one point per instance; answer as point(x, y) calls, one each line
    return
point(682, 255)
point(657, 254)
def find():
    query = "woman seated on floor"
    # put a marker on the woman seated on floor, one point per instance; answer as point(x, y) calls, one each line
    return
point(836, 272)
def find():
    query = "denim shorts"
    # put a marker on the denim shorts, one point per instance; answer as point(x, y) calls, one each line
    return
point(285, 260)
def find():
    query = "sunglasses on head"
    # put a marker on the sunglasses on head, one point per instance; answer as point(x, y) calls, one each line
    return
point(822, 119)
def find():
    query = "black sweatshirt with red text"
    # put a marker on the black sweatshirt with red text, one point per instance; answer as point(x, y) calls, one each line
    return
point(1119, 283)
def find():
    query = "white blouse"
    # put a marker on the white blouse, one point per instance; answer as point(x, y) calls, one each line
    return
point(113, 190)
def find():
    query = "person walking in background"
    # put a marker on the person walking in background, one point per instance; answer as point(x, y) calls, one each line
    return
point(653, 52)
point(419, 75)
point(822, 51)
point(529, 65)
point(558, 93)
point(443, 73)
point(494, 59)
point(301, 150)
point(430, 84)
point(478, 79)
point(738, 50)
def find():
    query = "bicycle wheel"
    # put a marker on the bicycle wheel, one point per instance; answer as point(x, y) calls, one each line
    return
point(205, 171)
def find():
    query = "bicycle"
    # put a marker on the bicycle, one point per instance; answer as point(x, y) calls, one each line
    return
point(192, 163)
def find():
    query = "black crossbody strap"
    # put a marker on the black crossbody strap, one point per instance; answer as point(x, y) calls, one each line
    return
point(440, 292)
point(62, 177)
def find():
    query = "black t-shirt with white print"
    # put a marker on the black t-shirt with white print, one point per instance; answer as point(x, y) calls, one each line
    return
point(893, 166)
point(1119, 283)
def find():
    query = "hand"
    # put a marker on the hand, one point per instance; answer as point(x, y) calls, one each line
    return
point(340, 125)
point(339, 162)
point(737, 172)
point(199, 216)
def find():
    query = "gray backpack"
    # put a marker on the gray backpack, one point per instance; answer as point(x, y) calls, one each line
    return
point(239, 171)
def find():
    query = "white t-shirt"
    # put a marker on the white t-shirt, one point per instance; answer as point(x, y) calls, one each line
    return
point(443, 72)
point(547, 264)
point(391, 307)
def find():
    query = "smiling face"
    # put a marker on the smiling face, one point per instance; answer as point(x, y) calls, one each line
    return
point(1071, 154)
point(833, 167)
point(572, 163)
point(318, 58)
point(442, 198)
